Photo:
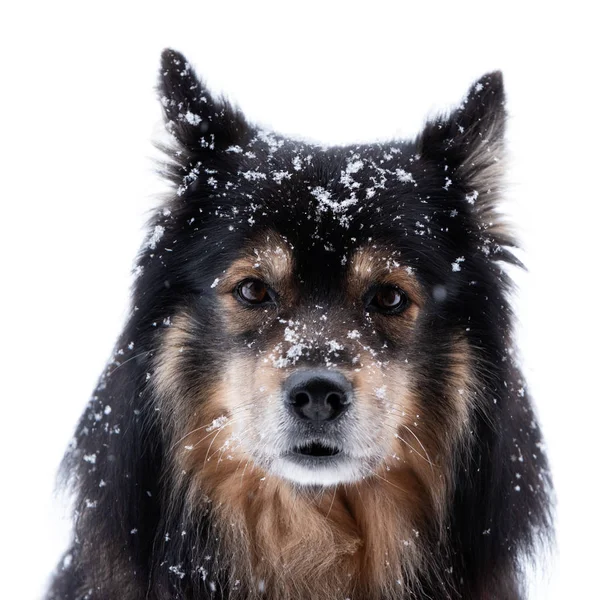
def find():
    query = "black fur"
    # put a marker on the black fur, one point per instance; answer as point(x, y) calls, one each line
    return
point(132, 539)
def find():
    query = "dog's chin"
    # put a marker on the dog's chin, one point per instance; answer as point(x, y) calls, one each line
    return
point(323, 471)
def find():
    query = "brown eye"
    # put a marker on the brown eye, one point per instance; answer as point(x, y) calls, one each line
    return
point(389, 299)
point(253, 291)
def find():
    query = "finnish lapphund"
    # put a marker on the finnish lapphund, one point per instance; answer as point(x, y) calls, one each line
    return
point(316, 394)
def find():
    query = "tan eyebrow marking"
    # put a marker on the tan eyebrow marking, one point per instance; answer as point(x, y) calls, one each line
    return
point(372, 264)
point(268, 258)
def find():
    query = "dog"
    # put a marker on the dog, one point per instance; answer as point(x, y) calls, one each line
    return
point(316, 394)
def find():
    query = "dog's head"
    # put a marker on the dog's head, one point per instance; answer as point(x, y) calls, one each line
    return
point(324, 305)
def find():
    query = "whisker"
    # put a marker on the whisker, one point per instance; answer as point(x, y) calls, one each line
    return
point(387, 481)
point(417, 438)
point(233, 415)
point(332, 500)
point(130, 359)
point(206, 457)
point(415, 450)
point(229, 422)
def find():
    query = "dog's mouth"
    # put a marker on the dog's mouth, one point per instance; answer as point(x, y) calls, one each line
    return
point(318, 462)
point(316, 450)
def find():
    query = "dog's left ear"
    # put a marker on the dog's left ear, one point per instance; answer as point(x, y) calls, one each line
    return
point(196, 119)
point(470, 141)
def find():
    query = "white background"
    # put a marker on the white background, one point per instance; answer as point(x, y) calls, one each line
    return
point(78, 111)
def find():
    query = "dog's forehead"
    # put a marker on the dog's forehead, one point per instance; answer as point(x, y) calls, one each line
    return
point(322, 197)
point(322, 204)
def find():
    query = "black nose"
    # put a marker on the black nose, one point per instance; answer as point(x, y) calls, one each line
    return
point(317, 395)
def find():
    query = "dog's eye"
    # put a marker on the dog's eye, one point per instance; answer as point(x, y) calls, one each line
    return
point(388, 299)
point(253, 291)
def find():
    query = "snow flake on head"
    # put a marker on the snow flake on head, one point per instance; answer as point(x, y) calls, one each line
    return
point(273, 143)
point(279, 176)
point(456, 264)
point(353, 165)
point(380, 393)
point(333, 346)
point(177, 570)
point(253, 175)
point(326, 202)
point(191, 118)
point(218, 423)
point(298, 345)
point(404, 176)
point(470, 198)
point(157, 234)
point(188, 179)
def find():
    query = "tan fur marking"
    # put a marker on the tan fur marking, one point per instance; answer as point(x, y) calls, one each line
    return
point(378, 265)
point(371, 265)
point(429, 443)
point(269, 259)
point(356, 539)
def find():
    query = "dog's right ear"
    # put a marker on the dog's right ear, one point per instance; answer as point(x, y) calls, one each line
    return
point(470, 140)
point(199, 122)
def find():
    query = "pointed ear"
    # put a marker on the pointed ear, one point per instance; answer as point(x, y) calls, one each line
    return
point(196, 119)
point(470, 141)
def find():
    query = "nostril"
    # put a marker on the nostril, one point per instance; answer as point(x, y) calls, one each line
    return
point(335, 400)
point(300, 399)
